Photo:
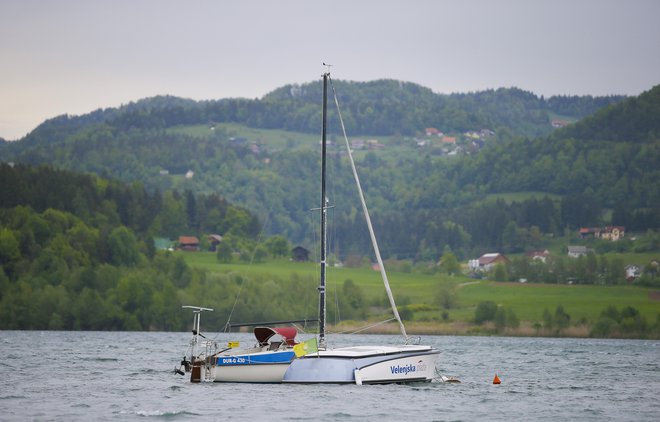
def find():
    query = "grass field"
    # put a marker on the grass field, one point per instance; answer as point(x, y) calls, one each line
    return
point(272, 138)
point(580, 301)
point(520, 196)
point(528, 301)
point(278, 140)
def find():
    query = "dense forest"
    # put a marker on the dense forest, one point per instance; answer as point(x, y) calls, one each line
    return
point(77, 251)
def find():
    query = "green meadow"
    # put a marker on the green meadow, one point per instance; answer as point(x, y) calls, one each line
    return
point(584, 303)
point(274, 138)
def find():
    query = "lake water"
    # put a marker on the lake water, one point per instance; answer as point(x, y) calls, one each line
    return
point(70, 376)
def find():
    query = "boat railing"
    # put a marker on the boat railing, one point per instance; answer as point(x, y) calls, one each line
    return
point(210, 348)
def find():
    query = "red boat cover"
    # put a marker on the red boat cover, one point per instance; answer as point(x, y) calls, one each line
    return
point(263, 334)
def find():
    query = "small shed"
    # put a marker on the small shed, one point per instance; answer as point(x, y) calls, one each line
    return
point(214, 241)
point(188, 243)
point(300, 254)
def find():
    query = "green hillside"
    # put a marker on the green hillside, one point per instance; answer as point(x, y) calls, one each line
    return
point(77, 248)
point(77, 251)
point(425, 194)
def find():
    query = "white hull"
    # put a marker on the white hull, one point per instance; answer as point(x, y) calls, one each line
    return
point(365, 365)
point(416, 368)
point(268, 373)
point(348, 365)
point(259, 366)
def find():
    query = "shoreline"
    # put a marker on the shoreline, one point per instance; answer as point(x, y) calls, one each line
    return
point(461, 328)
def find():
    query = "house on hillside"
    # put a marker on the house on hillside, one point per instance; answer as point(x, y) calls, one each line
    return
point(538, 255)
point(587, 232)
point(214, 241)
point(374, 144)
point(577, 251)
point(612, 233)
point(633, 272)
point(300, 254)
point(486, 262)
point(188, 243)
point(357, 144)
point(431, 131)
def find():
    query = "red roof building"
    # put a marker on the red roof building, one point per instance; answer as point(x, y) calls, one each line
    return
point(188, 243)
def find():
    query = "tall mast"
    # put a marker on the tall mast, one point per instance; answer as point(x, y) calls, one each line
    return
point(323, 216)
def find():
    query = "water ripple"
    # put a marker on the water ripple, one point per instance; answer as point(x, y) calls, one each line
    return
point(79, 377)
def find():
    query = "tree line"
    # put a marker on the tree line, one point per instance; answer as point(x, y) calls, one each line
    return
point(77, 252)
point(612, 323)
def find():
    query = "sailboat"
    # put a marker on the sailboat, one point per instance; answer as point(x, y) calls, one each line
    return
point(312, 361)
point(371, 364)
point(265, 362)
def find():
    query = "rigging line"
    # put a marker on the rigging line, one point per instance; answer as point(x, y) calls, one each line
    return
point(243, 280)
point(367, 327)
point(386, 282)
point(301, 328)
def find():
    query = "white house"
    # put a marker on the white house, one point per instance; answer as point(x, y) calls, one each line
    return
point(577, 251)
point(486, 262)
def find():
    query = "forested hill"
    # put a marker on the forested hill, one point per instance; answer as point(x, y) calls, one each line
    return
point(107, 204)
point(424, 199)
point(77, 251)
point(636, 120)
point(612, 155)
point(383, 107)
point(387, 107)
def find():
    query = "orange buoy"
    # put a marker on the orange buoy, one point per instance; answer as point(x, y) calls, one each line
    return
point(496, 380)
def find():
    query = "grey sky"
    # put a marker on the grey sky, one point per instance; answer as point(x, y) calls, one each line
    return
point(74, 56)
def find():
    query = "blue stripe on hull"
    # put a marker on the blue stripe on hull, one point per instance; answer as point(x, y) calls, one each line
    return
point(258, 359)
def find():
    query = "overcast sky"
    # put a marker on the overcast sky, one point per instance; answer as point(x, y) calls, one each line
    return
point(74, 56)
